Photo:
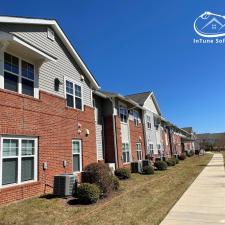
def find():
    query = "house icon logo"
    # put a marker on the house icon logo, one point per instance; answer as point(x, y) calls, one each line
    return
point(210, 25)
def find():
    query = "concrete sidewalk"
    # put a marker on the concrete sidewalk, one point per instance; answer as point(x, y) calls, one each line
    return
point(204, 201)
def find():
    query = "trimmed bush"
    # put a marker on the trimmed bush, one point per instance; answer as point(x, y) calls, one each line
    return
point(148, 170)
point(88, 193)
point(123, 173)
point(160, 165)
point(182, 156)
point(171, 162)
point(116, 183)
point(176, 160)
point(99, 174)
point(190, 153)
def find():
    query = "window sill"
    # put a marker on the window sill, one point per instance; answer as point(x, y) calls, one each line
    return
point(20, 95)
point(14, 186)
point(126, 163)
point(71, 108)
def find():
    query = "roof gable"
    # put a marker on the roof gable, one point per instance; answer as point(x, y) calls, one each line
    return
point(152, 104)
point(147, 100)
point(55, 26)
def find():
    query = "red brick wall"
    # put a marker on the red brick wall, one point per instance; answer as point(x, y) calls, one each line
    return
point(166, 147)
point(55, 125)
point(136, 135)
point(177, 143)
point(119, 141)
point(109, 140)
point(187, 146)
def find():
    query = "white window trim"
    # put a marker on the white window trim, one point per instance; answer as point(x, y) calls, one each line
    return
point(147, 116)
point(124, 107)
point(129, 150)
point(151, 149)
point(19, 75)
point(19, 159)
point(81, 156)
point(82, 92)
point(136, 119)
point(139, 150)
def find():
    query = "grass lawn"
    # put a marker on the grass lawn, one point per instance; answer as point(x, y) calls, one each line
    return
point(144, 199)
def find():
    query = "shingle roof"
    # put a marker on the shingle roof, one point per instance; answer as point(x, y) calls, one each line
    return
point(140, 97)
point(188, 129)
point(113, 94)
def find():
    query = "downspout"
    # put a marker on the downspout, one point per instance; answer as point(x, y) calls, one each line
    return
point(145, 132)
point(170, 140)
point(114, 133)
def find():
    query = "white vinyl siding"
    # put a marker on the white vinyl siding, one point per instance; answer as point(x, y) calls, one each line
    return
point(36, 35)
point(18, 157)
point(166, 137)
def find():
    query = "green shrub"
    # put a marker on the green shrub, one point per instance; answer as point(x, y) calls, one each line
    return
point(148, 170)
point(123, 173)
point(88, 193)
point(160, 165)
point(190, 153)
point(176, 160)
point(182, 156)
point(116, 183)
point(171, 162)
point(99, 174)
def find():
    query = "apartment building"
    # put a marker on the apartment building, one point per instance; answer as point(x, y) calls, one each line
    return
point(47, 120)
point(54, 119)
point(123, 129)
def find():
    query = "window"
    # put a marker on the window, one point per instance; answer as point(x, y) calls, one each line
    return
point(126, 152)
point(11, 63)
point(139, 151)
point(148, 120)
point(136, 117)
point(123, 114)
point(77, 153)
point(158, 146)
point(14, 75)
point(150, 149)
point(73, 95)
point(19, 157)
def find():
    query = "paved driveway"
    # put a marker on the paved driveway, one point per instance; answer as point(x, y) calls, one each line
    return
point(204, 201)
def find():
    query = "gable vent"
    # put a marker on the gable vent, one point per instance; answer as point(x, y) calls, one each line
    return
point(51, 34)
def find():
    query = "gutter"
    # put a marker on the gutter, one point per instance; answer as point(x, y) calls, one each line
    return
point(114, 133)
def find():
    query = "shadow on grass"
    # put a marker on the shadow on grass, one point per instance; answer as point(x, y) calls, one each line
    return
point(74, 201)
point(205, 165)
point(51, 196)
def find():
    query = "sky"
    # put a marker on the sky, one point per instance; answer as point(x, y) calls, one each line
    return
point(136, 46)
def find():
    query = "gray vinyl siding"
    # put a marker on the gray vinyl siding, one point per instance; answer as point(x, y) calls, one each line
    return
point(99, 127)
point(151, 133)
point(36, 35)
point(99, 141)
